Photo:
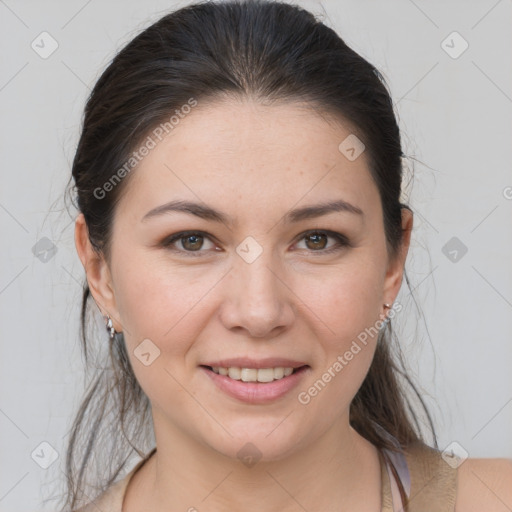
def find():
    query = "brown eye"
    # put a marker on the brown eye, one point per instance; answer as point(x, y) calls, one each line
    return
point(316, 240)
point(192, 242)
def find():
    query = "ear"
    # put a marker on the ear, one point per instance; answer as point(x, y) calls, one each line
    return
point(97, 271)
point(395, 270)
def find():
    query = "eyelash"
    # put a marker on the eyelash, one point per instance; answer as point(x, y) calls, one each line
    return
point(342, 241)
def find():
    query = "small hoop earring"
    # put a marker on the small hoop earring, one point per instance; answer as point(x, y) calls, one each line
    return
point(110, 328)
point(384, 317)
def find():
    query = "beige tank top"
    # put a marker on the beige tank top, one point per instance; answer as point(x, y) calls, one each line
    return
point(417, 481)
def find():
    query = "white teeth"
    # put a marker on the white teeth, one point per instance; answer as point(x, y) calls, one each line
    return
point(262, 375)
point(278, 373)
point(254, 374)
point(234, 373)
point(250, 374)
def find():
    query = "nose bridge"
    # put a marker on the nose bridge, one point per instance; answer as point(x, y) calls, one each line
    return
point(259, 300)
point(256, 276)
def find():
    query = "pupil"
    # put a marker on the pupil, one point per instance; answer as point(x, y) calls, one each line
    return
point(315, 237)
point(195, 240)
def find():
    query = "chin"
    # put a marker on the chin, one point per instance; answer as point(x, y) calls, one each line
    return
point(259, 442)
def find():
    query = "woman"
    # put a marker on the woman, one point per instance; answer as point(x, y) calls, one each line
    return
point(238, 180)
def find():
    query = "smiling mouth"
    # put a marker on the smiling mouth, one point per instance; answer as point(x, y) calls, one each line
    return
point(258, 375)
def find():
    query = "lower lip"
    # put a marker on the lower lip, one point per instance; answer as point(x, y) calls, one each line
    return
point(256, 392)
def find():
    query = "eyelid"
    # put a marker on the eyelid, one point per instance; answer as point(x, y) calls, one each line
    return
point(171, 239)
point(342, 241)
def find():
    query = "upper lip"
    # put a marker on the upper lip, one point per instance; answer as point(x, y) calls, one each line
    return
point(247, 362)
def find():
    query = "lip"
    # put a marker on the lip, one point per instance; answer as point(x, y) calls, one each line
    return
point(256, 392)
point(246, 362)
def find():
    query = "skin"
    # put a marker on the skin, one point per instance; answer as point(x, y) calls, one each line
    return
point(254, 163)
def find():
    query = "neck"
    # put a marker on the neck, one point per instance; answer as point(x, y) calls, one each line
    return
point(340, 470)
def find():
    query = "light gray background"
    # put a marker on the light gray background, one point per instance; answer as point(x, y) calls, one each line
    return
point(455, 114)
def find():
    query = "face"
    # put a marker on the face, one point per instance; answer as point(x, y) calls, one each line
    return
point(263, 282)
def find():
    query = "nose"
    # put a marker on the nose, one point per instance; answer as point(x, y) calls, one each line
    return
point(257, 299)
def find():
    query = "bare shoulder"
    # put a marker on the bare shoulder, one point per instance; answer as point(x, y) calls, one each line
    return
point(484, 484)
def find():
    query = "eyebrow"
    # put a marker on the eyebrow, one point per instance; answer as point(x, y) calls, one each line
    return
point(209, 213)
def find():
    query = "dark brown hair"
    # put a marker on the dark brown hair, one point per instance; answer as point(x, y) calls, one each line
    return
point(271, 52)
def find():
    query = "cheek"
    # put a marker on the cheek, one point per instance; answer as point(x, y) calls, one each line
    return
point(346, 299)
point(161, 303)
point(345, 307)
point(166, 308)
point(345, 350)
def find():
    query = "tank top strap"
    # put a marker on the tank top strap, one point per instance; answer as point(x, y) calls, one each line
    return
point(417, 480)
point(399, 478)
point(433, 479)
point(385, 478)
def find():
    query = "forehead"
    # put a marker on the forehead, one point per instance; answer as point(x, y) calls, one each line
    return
point(247, 155)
